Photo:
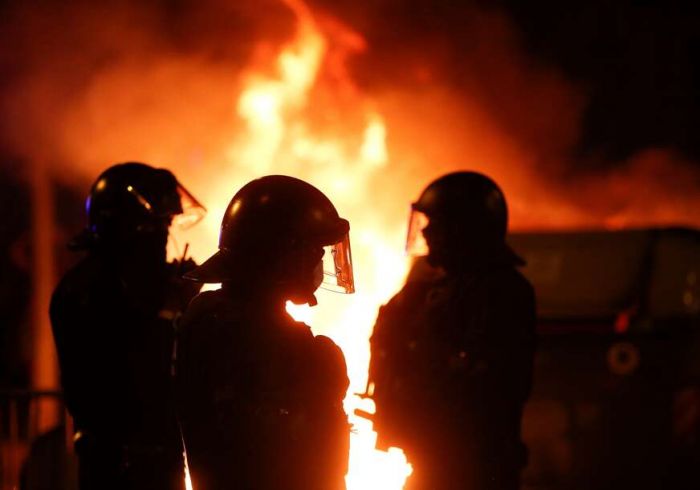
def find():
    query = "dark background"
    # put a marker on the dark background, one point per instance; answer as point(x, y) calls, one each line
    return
point(636, 62)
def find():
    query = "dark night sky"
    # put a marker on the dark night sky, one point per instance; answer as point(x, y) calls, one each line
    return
point(638, 62)
point(635, 61)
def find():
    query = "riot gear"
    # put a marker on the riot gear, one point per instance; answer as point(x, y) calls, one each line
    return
point(271, 226)
point(457, 209)
point(113, 322)
point(261, 397)
point(452, 352)
point(130, 198)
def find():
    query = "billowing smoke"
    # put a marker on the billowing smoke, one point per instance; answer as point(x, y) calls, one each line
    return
point(87, 84)
point(461, 91)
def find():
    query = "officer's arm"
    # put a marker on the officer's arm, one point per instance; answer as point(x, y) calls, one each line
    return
point(196, 375)
point(82, 368)
point(335, 446)
point(335, 375)
point(389, 332)
point(378, 343)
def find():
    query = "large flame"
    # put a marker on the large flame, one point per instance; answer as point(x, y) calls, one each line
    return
point(340, 157)
point(143, 88)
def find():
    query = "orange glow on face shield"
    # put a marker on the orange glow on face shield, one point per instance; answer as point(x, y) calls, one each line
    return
point(338, 274)
point(192, 210)
point(416, 246)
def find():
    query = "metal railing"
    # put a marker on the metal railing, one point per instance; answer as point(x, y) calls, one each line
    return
point(24, 416)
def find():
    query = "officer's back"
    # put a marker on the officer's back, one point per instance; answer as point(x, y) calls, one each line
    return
point(452, 352)
point(260, 396)
point(115, 353)
point(112, 319)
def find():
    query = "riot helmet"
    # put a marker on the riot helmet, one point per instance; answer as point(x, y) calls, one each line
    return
point(284, 228)
point(458, 214)
point(131, 199)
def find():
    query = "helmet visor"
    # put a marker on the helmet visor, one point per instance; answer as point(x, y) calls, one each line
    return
point(181, 206)
point(191, 210)
point(416, 246)
point(337, 267)
point(188, 213)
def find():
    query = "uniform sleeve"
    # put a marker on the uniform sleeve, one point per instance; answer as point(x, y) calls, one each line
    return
point(334, 374)
point(198, 381)
point(333, 430)
point(61, 314)
point(88, 374)
point(389, 331)
point(384, 333)
point(193, 378)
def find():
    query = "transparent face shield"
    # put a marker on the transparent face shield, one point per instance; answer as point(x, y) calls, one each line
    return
point(416, 246)
point(182, 207)
point(191, 213)
point(180, 210)
point(337, 273)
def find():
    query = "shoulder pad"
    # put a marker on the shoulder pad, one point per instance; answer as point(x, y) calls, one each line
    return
point(410, 295)
point(203, 305)
point(332, 361)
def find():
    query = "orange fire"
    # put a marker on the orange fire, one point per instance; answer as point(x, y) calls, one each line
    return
point(294, 109)
point(162, 84)
point(280, 137)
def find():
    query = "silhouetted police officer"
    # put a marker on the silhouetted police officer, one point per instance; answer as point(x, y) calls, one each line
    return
point(452, 352)
point(261, 397)
point(112, 318)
